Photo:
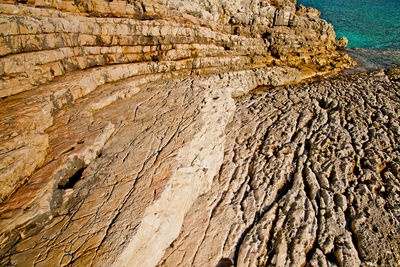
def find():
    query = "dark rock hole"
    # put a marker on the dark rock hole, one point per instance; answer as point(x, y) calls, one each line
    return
point(307, 145)
point(311, 252)
point(155, 58)
point(331, 258)
point(364, 163)
point(226, 47)
point(266, 35)
point(374, 117)
point(323, 104)
point(357, 170)
point(72, 180)
point(225, 262)
point(384, 194)
point(236, 30)
point(386, 206)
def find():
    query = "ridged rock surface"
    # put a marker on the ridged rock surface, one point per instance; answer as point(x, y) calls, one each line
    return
point(53, 53)
point(310, 176)
point(146, 133)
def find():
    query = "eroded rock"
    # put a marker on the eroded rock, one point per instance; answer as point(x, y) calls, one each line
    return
point(292, 190)
point(129, 137)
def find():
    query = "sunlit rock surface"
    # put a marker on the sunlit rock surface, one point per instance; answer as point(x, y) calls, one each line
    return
point(145, 133)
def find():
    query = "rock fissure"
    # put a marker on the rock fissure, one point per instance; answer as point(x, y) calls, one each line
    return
point(178, 133)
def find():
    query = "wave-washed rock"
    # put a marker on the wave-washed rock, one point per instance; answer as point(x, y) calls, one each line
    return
point(369, 60)
point(144, 133)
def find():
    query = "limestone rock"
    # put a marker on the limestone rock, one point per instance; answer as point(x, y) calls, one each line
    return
point(275, 207)
point(86, 44)
point(171, 133)
point(342, 42)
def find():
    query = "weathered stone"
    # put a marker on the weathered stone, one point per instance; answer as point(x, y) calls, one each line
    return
point(255, 219)
point(144, 133)
point(342, 42)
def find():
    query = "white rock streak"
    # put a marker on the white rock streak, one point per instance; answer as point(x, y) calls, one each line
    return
point(197, 164)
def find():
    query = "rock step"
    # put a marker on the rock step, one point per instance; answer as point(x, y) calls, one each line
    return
point(72, 147)
point(111, 117)
point(37, 106)
point(66, 44)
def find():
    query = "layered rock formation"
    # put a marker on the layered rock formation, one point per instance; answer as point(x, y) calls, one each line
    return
point(128, 137)
point(55, 43)
point(310, 176)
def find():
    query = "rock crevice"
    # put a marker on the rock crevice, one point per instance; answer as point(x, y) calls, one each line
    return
point(175, 133)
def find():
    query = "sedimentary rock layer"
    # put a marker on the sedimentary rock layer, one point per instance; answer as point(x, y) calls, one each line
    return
point(310, 176)
point(128, 136)
point(190, 176)
point(166, 142)
point(52, 53)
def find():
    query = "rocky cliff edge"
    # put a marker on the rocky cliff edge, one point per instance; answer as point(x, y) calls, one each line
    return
point(122, 141)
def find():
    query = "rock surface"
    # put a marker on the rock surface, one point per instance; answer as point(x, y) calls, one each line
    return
point(53, 53)
point(310, 176)
point(145, 133)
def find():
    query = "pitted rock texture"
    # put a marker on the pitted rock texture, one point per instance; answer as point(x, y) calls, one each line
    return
point(53, 53)
point(310, 177)
point(128, 137)
point(190, 176)
point(125, 162)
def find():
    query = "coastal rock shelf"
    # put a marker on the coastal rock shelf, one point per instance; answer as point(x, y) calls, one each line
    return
point(310, 176)
point(190, 176)
point(52, 53)
point(190, 133)
point(117, 155)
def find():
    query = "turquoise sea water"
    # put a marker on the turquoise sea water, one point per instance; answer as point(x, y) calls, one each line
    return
point(372, 27)
point(372, 24)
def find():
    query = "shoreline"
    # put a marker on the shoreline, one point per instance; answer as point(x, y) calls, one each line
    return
point(368, 60)
point(133, 134)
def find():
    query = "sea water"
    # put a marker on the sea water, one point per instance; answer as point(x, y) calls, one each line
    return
point(372, 27)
